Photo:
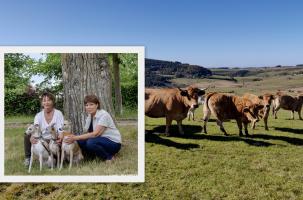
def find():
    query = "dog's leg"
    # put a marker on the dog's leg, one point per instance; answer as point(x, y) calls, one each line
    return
point(70, 158)
point(31, 161)
point(58, 158)
point(62, 158)
point(52, 160)
point(41, 160)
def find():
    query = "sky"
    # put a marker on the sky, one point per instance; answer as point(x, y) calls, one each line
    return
point(210, 33)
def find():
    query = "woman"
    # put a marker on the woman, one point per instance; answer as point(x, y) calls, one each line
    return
point(48, 116)
point(101, 137)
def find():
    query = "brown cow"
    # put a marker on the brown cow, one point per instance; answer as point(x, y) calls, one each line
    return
point(224, 106)
point(264, 100)
point(171, 103)
point(288, 103)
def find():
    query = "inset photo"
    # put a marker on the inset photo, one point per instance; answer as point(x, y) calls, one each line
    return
point(72, 114)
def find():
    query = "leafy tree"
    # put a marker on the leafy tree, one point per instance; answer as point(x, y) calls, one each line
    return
point(16, 67)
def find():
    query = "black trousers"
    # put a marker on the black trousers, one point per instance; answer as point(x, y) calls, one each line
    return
point(27, 146)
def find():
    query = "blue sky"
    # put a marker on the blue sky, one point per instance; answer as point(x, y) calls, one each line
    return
point(209, 33)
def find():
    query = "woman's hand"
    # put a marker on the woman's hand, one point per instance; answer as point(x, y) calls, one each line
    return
point(33, 140)
point(69, 139)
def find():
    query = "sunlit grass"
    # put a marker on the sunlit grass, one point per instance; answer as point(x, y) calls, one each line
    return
point(125, 164)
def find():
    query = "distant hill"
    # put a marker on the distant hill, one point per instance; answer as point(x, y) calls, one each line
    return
point(159, 72)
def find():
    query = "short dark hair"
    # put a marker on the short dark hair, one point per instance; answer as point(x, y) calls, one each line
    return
point(50, 96)
point(92, 99)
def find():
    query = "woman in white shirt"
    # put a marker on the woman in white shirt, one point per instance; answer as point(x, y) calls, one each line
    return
point(101, 138)
point(48, 116)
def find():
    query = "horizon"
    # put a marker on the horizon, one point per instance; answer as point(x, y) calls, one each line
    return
point(208, 33)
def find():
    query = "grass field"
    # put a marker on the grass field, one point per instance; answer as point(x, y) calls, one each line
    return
point(267, 165)
point(125, 164)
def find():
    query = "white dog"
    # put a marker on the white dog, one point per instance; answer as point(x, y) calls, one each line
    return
point(54, 146)
point(39, 149)
point(73, 151)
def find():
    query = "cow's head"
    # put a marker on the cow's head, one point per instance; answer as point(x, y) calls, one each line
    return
point(266, 101)
point(193, 96)
point(251, 111)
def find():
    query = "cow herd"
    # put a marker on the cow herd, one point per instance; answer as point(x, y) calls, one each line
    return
point(177, 104)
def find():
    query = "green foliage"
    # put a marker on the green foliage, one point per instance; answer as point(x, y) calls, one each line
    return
point(16, 73)
point(16, 104)
point(129, 95)
point(50, 67)
point(129, 78)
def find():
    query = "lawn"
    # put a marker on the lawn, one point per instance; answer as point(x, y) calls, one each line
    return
point(125, 164)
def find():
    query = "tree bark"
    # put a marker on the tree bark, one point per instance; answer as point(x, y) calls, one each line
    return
point(85, 74)
point(118, 95)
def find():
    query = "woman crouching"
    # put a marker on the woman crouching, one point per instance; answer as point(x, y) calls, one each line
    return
point(101, 138)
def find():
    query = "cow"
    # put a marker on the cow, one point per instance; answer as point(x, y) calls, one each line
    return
point(171, 103)
point(264, 100)
point(191, 111)
point(288, 103)
point(224, 107)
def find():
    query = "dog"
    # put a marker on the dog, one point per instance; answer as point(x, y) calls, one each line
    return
point(54, 147)
point(72, 151)
point(39, 149)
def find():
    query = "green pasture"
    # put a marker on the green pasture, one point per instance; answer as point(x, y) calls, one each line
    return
point(125, 164)
point(266, 165)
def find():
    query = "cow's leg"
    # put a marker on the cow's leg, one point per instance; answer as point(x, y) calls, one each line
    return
point(292, 115)
point(179, 122)
point(299, 113)
point(239, 123)
point(220, 123)
point(275, 111)
point(245, 129)
point(253, 125)
point(168, 123)
point(189, 114)
point(265, 118)
point(193, 115)
point(206, 116)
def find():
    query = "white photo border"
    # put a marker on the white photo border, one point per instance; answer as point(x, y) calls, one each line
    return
point(140, 177)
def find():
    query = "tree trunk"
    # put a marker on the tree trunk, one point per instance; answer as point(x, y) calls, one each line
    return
point(85, 74)
point(118, 96)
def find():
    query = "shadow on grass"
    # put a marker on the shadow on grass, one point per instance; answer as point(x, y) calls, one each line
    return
point(229, 138)
point(290, 130)
point(174, 131)
point(153, 138)
point(190, 133)
point(290, 140)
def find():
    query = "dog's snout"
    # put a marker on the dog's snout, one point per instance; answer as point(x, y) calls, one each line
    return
point(267, 106)
point(195, 106)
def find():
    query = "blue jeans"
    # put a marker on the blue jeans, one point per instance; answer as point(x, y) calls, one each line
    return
point(101, 147)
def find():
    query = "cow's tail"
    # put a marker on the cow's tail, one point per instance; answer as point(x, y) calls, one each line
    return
point(207, 99)
point(206, 110)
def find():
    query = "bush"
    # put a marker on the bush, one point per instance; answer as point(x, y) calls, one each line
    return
point(21, 103)
point(130, 95)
